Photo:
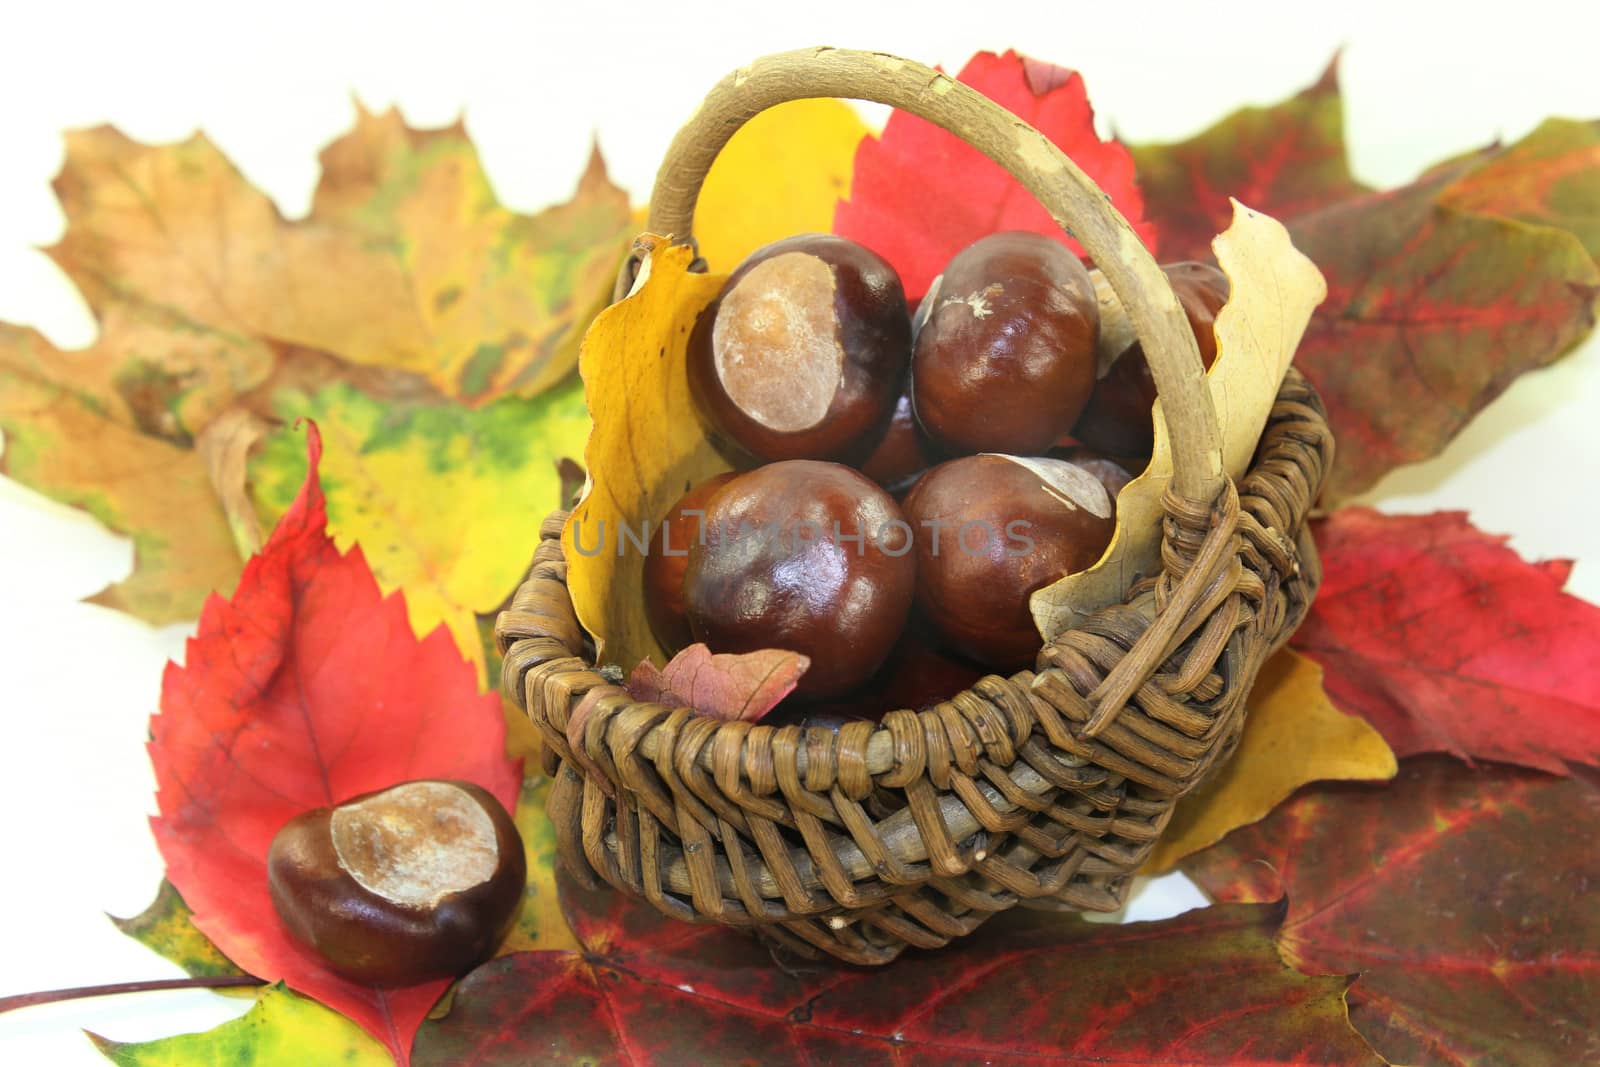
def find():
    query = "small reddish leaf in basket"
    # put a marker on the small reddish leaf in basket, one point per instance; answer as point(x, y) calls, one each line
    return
point(728, 685)
point(1026, 989)
point(1447, 641)
point(306, 688)
point(1464, 897)
point(919, 195)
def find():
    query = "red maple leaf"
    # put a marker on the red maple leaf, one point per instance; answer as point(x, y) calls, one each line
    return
point(306, 688)
point(919, 195)
point(1463, 897)
point(1440, 292)
point(1287, 160)
point(1206, 987)
point(1447, 641)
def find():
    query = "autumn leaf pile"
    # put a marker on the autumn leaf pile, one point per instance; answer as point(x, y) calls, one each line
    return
point(329, 436)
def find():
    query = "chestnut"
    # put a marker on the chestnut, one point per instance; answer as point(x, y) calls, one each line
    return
point(806, 556)
point(921, 673)
point(1112, 474)
point(902, 453)
point(992, 529)
point(916, 675)
point(800, 355)
point(668, 558)
point(402, 885)
point(1006, 359)
point(1117, 418)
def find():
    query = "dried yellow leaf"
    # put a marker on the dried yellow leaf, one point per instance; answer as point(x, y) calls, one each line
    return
point(408, 260)
point(1274, 289)
point(645, 451)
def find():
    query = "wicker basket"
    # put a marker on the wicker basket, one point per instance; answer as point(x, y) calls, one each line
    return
point(1047, 788)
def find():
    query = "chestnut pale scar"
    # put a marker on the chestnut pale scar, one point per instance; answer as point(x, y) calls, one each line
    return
point(1067, 483)
point(775, 345)
point(415, 844)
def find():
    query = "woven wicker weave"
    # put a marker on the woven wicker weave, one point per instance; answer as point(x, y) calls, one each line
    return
point(1047, 787)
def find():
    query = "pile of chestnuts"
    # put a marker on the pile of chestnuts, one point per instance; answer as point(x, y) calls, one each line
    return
point(904, 482)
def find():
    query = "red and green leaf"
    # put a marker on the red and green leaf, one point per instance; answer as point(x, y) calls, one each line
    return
point(919, 194)
point(1463, 897)
point(1432, 312)
point(1206, 987)
point(1545, 179)
point(306, 688)
point(1286, 160)
point(1440, 293)
point(1447, 641)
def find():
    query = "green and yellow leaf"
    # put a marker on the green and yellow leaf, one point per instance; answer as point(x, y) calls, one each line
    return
point(167, 928)
point(541, 923)
point(444, 500)
point(496, 302)
point(282, 1030)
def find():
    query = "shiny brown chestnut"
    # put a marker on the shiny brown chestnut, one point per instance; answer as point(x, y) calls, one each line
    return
point(1117, 417)
point(801, 354)
point(993, 529)
point(917, 675)
point(902, 453)
point(403, 885)
point(668, 559)
point(806, 556)
point(1006, 359)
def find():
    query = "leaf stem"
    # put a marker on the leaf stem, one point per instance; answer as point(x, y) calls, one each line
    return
point(52, 996)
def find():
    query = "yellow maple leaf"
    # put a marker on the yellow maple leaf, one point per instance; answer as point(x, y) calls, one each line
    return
point(781, 174)
point(412, 263)
point(409, 282)
point(444, 500)
point(479, 299)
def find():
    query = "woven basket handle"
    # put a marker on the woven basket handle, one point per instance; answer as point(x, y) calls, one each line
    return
point(1073, 200)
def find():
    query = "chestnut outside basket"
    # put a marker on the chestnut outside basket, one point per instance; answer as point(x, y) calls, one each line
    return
point(1047, 788)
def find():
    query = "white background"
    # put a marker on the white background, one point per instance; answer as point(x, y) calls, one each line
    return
point(272, 83)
